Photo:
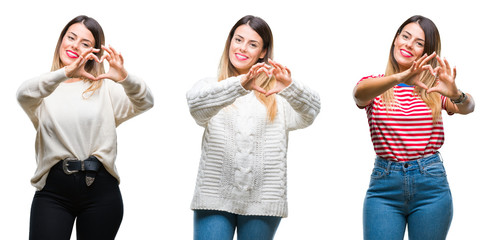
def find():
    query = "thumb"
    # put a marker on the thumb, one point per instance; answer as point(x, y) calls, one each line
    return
point(420, 84)
point(101, 77)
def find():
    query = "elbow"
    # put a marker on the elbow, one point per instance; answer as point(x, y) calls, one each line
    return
point(358, 97)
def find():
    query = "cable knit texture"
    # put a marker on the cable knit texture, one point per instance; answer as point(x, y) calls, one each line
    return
point(69, 125)
point(243, 161)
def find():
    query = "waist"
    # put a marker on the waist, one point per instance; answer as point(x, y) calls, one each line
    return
point(407, 165)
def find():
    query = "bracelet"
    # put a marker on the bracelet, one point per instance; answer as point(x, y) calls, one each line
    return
point(461, 98)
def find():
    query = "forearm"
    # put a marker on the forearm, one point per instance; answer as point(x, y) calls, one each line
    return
point(466, 106)
point(208, 97)
point(368, 89)
point(138, 92)
point(31, 93)
point(305, 103)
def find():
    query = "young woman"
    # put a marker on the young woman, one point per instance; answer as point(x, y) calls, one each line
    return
point(408, 184)
point(75, 110)
point(247, 113)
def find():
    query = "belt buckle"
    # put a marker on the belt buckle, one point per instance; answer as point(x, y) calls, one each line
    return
point(65, 165)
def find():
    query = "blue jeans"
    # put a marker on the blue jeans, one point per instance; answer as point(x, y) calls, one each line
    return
point(415, 193)
point(220, 225)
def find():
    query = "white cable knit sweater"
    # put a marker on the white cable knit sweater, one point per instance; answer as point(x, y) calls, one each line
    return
point(68, 125)
point(243, 161)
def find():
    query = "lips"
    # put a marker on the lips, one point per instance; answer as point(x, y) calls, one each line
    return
point(241, 57)
point(71, 54)
point(406, 53)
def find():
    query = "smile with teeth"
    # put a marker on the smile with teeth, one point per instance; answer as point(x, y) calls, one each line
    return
point(71, 54)
point(241, 56)
point(406, 53)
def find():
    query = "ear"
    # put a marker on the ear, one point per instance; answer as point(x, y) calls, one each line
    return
point(263, 53)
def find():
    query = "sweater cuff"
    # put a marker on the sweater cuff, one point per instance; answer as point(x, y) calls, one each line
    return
point(290, 90)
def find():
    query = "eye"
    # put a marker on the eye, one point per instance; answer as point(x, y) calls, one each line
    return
point(404, 36)
point(86, 45)
point(254, 45)
point(238, 40)
point(420, 44)
point(70, 38)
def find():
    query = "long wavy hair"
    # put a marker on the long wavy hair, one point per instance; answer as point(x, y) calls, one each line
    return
point(91, 66)
point(432, 44)
point(226, 69)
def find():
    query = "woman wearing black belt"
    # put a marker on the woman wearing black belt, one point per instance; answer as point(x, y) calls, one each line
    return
point(75, 110)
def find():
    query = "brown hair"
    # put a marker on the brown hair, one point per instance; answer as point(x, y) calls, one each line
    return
point(226, 69)
point(432, 44)
point(91, 66)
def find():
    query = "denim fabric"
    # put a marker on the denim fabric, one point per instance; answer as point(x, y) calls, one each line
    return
point(415, 193)
point(220, 225)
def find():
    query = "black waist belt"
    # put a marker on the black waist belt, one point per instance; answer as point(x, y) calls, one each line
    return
point(90, 166)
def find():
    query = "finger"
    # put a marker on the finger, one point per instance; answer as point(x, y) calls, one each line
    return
point(86, 52)
point(105, 56)
point(288, 71)
point(420, 60)
point(92, 56)
point(442, 64)
point(455, 72)
point(271, 92)
point(420, 84)
point(88, 76)
point(427, 59)
point(258, 89)
point(116, 53)
point(102, 76)
point(449, 69)
point(429, 68)
point(433, 89)
point(108, 50)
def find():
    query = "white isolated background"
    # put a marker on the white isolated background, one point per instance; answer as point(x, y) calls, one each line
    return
point(328, 45)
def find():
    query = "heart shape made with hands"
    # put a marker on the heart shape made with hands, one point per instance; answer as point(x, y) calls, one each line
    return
point(114, 59)
point(281, 73)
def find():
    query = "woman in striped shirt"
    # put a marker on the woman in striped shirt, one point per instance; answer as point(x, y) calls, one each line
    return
point(408, 183)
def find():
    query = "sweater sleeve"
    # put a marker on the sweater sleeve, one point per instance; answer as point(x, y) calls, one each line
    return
point(305, 104)
point(135, 98)
point(207, 97)
point(31, 93)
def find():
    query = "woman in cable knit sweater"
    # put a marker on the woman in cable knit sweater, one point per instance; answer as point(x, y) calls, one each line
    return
point(247, 113)
point(75, 110)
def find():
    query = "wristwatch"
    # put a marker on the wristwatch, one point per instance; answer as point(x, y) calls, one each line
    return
point(461, 98)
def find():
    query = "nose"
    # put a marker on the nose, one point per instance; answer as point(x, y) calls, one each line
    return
point(243, 47)
point(411, 44)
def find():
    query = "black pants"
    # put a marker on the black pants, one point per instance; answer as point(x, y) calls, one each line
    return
point(98, 208)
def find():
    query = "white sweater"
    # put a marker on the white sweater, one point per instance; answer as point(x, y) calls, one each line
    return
point(68, 125)
point(243, 160)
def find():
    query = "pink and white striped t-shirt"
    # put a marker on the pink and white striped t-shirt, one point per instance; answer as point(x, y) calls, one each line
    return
point(406, 132)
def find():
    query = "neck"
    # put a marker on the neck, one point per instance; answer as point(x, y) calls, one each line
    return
point(72, 80)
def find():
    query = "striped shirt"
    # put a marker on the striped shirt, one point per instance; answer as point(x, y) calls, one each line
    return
point(407, 132)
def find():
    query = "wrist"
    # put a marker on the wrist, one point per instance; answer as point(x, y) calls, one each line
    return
point(460, 98)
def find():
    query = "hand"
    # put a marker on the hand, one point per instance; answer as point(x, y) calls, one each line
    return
point(445, 80)
point(282, 75)
point(412, 75)
point(77, 68)
point(248, 81)
point(116, 71)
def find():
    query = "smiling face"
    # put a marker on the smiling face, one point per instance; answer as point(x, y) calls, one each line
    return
point(77, 39)
point(246, 48)
point(409, 45)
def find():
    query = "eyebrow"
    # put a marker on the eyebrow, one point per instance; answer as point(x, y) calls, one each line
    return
point(420, 39)
point(84, 39)
point(252, 40)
